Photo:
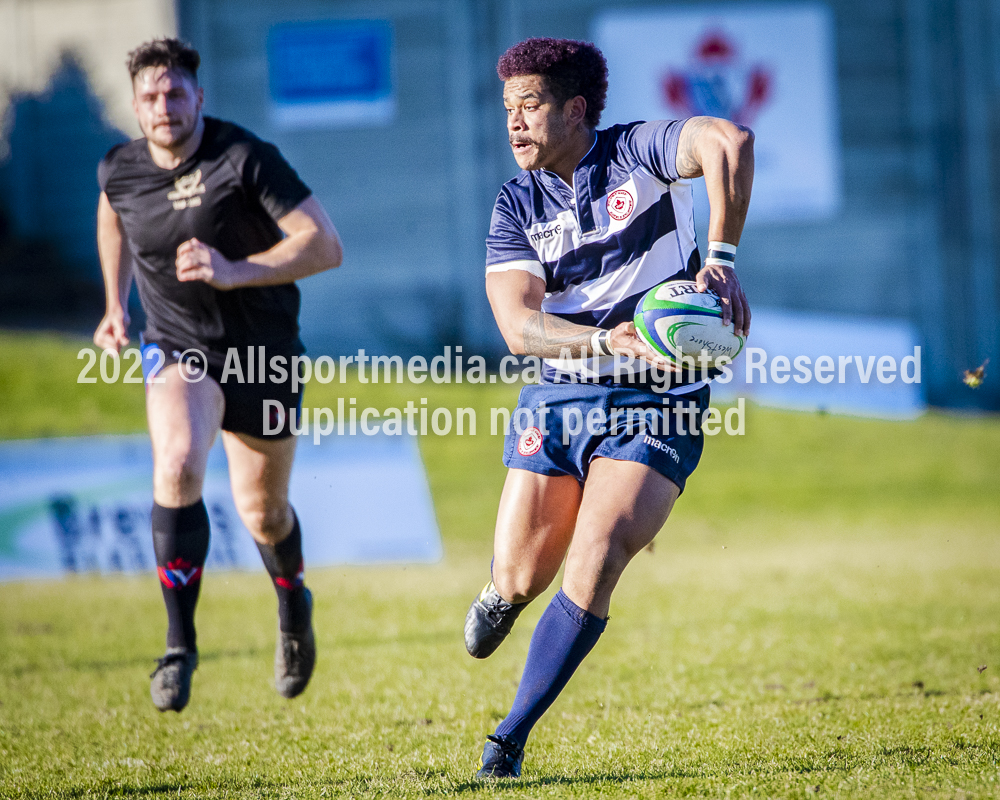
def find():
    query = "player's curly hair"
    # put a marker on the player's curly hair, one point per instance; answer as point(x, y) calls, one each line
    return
point(169, 53)
point(570, 68)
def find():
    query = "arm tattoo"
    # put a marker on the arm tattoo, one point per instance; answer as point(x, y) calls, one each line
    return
point(548, 336)
point(688, 165)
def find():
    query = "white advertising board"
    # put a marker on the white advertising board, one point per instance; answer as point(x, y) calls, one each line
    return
point(770, 67)
point(83, 505)
point(825, 362)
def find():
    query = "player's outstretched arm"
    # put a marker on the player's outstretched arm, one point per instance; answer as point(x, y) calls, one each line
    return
point(116, 266)
point(311, 245)
point(723, 153)
point(516, 299)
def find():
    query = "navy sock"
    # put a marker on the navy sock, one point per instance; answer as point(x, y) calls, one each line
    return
point(563, 637)
point(180, 540)
point(284, 564)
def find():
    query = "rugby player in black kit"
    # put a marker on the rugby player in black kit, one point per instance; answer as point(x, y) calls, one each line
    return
point(215, 227)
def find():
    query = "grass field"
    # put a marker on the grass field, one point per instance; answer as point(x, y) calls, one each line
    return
point(814, 621)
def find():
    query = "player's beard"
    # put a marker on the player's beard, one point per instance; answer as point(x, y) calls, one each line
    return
point(556, 134)
point(185, 137)
point(179, 140)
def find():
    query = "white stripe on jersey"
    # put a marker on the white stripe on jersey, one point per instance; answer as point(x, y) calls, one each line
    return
point(682, 196)
point(604, 292)
point(534, 267)
point(558, 237)
point(645, 189)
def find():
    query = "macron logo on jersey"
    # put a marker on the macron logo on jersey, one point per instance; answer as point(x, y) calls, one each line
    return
point(546, 233)
point(552, 239)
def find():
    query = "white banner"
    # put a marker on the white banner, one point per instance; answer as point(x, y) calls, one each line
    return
point(824, 362)
point(770, 67)
point(83, 505)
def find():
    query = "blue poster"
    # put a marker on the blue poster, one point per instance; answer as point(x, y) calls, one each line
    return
point(332, 73)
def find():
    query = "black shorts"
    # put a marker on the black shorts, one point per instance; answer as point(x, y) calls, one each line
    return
point(257, 402)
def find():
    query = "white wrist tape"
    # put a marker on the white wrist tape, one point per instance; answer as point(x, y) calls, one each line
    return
point(721, 254)
point(600, 344)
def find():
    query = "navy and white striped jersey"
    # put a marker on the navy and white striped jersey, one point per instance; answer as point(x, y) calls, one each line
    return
point(625, 225)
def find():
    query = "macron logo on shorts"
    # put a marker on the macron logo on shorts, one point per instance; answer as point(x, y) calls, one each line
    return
point(656, 444)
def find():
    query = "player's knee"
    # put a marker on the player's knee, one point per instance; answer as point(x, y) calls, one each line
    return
point(599, 566)
point(519, 585)
point(267, 524)
point(178, 473)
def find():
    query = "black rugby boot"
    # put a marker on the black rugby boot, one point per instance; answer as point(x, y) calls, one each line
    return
point(295, 657)
point(502, 758)
point(171, 684)
point(489, 621)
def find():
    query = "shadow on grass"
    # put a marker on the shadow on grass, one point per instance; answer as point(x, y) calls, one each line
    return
point(134, 662)
point(831, 762)
point(555, 781)
point(835, 762)
point(111, 788)
point(205, 656)
point(116, 789)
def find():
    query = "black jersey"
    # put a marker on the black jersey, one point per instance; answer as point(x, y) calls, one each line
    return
point(229, 195)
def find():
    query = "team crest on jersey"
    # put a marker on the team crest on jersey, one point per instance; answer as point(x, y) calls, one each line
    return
point(187, 191)
point(530, 442)
point(620, 204)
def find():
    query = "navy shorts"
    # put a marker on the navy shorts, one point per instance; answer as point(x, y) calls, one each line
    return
point(246, 402)
point(558, 429)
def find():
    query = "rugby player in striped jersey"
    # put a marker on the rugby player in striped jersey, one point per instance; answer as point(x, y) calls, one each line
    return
point(594, 220)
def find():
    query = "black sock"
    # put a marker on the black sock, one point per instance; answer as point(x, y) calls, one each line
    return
point(284, 564)
point(180, 539)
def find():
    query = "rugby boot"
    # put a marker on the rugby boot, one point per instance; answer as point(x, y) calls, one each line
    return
point(502, 758)
point(489, 621)
point(171, 684)
point(295, 658)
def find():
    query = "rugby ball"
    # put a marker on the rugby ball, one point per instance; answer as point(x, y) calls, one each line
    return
point(678, 321)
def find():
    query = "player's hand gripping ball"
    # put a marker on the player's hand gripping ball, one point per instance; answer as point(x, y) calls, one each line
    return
point(677, 321)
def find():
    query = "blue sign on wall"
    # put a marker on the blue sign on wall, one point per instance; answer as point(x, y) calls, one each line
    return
point(331, 73)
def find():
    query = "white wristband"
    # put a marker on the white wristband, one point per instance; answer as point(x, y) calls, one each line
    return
point(599, 343)
point(721, 254)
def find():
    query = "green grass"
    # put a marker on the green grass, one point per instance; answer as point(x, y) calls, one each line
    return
point(811, 623)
